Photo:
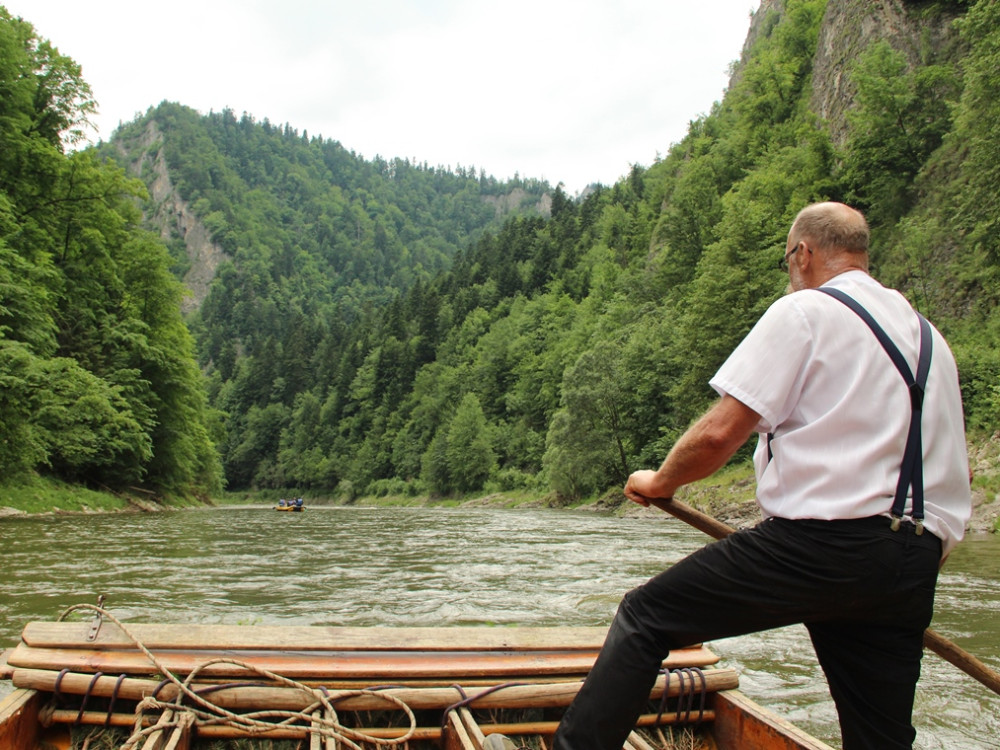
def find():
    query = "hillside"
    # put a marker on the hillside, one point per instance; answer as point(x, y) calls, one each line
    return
point(227, 190)
point(99, 382)
point(384, 327)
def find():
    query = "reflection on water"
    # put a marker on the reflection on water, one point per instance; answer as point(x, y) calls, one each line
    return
point(416, 566)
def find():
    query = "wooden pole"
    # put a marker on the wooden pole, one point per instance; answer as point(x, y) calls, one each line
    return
point(298, 731)
point(247, 698)
point(932, 640)
point(962, 659)
point(693, 517)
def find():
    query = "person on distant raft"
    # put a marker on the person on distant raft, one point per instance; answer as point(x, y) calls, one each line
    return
point(863, 483)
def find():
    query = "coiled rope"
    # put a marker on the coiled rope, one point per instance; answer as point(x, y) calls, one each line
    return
point(207, 713)
point(685, 696)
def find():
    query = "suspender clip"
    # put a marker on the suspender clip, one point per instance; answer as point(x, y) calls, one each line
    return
point(896, 521)
point(920, 526)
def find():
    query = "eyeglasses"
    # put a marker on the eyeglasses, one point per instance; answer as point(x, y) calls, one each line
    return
point(783, 262)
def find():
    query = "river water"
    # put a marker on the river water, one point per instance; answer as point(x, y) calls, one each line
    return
point(457, 566)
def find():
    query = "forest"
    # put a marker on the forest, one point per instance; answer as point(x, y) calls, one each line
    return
point(386, 327)
point(99, 383)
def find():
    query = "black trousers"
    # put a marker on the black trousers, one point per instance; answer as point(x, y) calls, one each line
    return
point(865, 593)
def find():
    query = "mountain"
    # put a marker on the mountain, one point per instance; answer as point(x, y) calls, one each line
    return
point(227, 189)
point(385, 327)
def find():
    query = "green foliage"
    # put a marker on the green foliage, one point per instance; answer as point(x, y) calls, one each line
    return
point(589, 442)
point(35, 494)
point(318, 240)
point(100, 383)
point(900, 118)
point(434, 470)
point(45, 97)
point(382, 327)
point(469, 453)
point(976, 130)
point(23, 445)
point(85, 424)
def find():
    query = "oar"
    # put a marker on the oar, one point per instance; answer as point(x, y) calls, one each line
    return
point(932, 640)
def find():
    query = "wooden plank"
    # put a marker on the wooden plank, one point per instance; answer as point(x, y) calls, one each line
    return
point(738, 723)
point(63, 717)
point(473, 734)
point(456, 734)
point(350, 665)
point(316, 740)
point(742, 724)
point(635, 742)
point(319, 741)
point(180, 738)
point(5, 669)
point(19, 724)
point(470, 723)
point(217, 731)
point(375, 666)
point(314, 638)
point(241, 697)
point(157, 739)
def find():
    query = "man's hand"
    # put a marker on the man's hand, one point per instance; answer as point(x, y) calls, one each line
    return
point(642, 485)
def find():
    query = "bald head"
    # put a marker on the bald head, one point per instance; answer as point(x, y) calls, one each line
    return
point(826, 239)
point(831, 227)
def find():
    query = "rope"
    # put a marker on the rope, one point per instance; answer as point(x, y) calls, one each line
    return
point(468, 700)
point(114, 697)
point(206, 712)
point(56, 695)
point(86, 697)
point(685, 695)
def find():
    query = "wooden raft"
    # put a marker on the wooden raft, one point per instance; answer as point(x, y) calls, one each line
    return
point(528, 668)
point(335, 656)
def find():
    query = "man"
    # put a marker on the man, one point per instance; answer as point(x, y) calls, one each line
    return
point(833, 415)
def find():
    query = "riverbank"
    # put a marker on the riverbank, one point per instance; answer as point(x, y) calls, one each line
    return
point(38, 495)
point(728, 496)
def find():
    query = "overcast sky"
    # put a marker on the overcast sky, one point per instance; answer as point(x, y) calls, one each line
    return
point(571, 91)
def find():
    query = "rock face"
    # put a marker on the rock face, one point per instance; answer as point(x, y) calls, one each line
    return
point(173, 217)
point(851, 26)
point(848, 28)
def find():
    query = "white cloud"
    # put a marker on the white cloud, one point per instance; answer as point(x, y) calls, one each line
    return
point(571, 91)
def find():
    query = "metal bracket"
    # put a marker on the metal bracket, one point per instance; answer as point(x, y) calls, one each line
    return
point(95, 624)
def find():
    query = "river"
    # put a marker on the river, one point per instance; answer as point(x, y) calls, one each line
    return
point(457, 566)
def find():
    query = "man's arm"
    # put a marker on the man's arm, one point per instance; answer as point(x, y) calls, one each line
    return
point(702, 450)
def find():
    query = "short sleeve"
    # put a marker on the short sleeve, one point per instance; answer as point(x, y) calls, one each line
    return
point(766, 371)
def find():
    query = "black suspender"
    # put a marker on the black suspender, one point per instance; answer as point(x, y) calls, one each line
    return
point(912, 471)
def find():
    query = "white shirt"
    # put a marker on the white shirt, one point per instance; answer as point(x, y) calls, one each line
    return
point(839, 409)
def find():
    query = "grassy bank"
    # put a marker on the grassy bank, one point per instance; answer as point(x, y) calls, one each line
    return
point(728, 495)
point(45, 495)
point(38, 495)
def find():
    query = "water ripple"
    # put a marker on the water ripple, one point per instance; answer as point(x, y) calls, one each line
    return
point(429, 567)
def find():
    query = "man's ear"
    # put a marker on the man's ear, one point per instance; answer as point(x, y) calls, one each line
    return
point(806, 257)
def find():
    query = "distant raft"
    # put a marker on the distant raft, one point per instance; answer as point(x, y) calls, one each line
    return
point(294, 506)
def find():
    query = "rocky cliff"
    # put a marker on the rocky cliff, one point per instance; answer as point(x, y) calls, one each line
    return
point(172, 217)
point(922, 31)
